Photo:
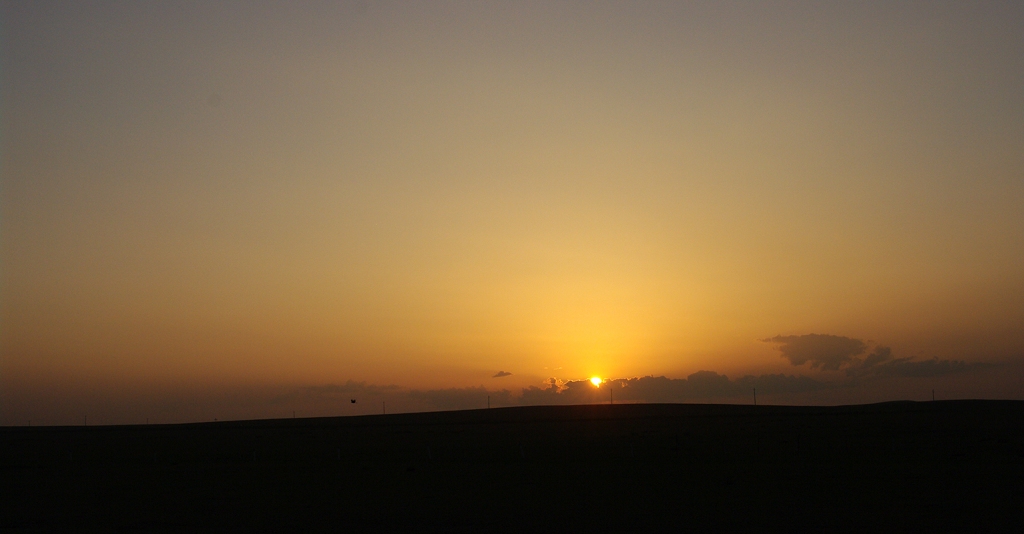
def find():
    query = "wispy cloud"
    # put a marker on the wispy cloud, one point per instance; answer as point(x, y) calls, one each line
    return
point(500, 374)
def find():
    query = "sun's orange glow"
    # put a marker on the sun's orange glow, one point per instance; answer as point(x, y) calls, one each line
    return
point(596, 381)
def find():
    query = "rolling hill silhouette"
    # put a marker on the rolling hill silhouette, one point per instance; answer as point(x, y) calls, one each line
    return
point(948, 465)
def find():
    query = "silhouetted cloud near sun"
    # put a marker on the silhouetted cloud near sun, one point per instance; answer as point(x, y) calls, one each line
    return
point(881, 362)
point(823, 351)
point(699, 386)
point(859, 363)
point(832, 353)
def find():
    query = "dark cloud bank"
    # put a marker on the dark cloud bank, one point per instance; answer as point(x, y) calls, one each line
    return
point(845, 363)
point(840, 369)
point(834, 353)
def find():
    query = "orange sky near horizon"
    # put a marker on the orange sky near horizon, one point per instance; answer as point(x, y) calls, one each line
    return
point(424, 195)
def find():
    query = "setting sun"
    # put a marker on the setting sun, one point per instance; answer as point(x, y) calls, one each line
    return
point(596, 381)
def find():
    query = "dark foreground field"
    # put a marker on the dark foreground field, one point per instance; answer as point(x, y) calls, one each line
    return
point(920, 467)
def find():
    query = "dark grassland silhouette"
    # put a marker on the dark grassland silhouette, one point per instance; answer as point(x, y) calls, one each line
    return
point(932, 466)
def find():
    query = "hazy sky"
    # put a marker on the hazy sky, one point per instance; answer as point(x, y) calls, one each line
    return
point(224, 197)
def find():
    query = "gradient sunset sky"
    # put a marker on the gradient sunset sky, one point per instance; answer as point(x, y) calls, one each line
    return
point(244, 209)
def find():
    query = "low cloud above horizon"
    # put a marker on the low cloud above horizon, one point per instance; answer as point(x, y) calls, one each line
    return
point(824, 352)
point(834, 353)
point(842, 376)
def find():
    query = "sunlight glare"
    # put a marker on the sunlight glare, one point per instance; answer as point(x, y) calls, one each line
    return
point(596, 381)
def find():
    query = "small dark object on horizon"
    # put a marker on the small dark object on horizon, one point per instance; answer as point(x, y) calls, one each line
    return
point(353, 401)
